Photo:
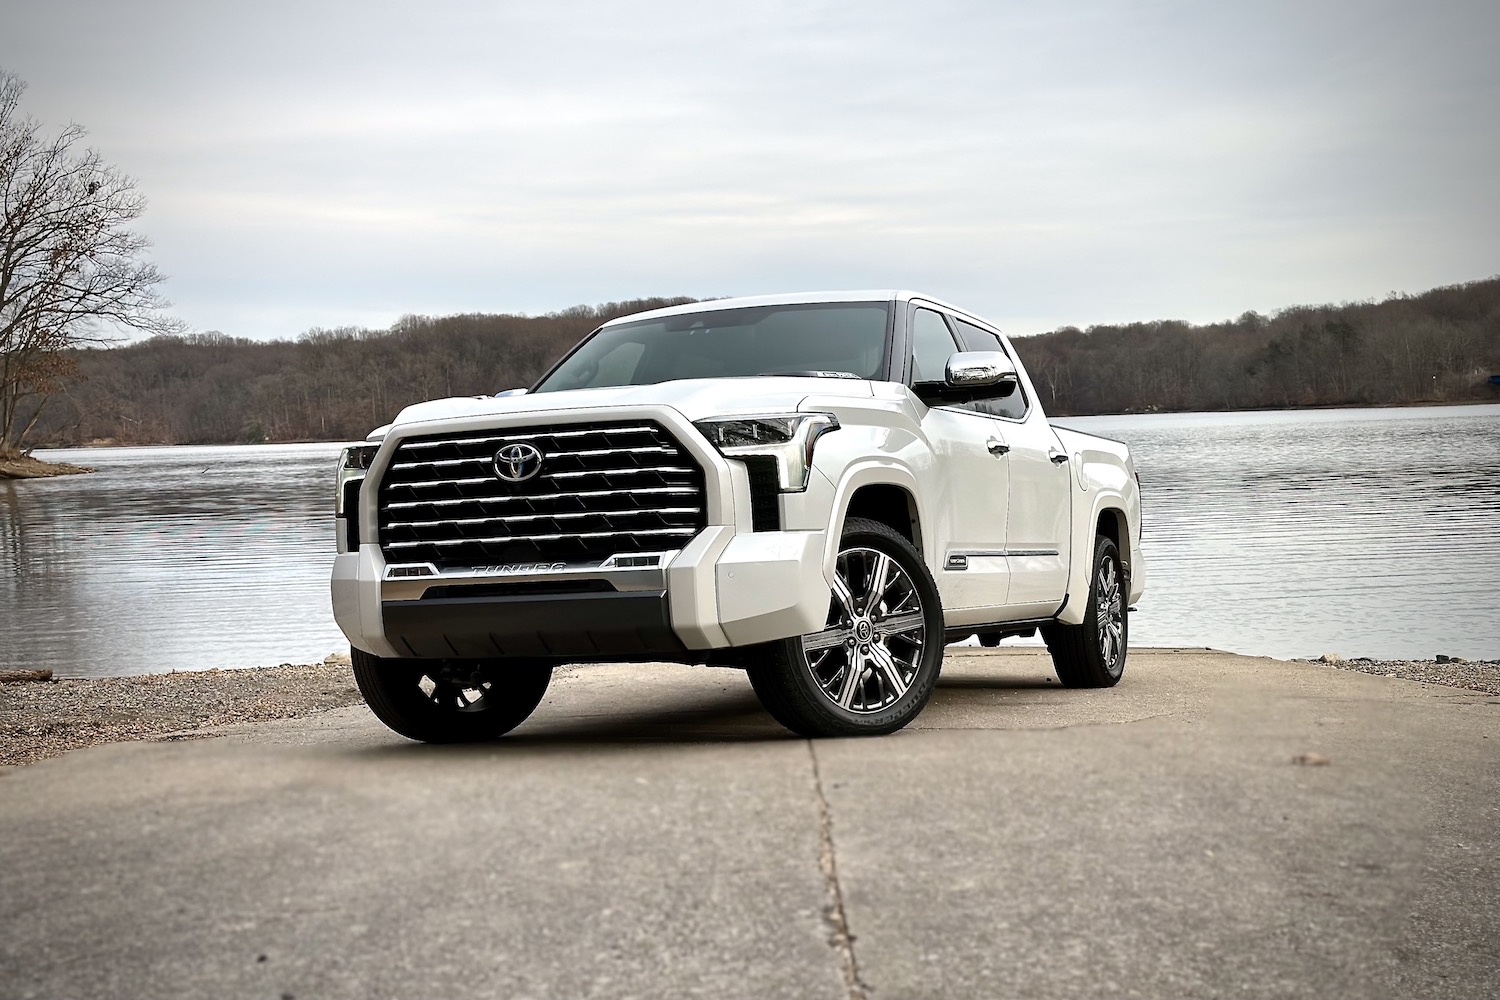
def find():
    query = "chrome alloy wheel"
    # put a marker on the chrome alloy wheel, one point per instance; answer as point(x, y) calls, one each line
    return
point(1111, 613)
point(867, 656)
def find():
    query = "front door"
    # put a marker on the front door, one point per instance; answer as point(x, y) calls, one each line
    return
point(1040, 516)
point(971, 487)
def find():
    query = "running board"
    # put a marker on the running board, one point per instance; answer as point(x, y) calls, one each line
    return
point(1003, 629)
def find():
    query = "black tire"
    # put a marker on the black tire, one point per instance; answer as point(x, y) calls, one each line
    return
point(450, 701)
point(1092, 655)
point(868, 672)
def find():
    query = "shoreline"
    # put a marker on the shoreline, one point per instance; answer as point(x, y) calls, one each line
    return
point(42, 719)
point(106, 445)
point(27, 467)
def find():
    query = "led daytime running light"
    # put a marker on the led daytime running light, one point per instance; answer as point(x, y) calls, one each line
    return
point(354, 462)
point(789, 438)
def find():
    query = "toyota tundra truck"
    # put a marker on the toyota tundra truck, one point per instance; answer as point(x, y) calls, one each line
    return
point(822, 490)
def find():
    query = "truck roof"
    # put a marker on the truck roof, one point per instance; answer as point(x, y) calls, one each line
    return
point(786, 299)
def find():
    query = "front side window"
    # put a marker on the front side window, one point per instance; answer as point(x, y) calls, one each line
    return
point(847, 339)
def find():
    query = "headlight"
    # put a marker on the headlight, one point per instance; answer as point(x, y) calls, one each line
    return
point(789, 438)
point(354, 461)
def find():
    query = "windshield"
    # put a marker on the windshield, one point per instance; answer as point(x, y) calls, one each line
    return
point(832, 339)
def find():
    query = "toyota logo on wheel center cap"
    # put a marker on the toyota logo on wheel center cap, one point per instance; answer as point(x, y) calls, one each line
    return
point(516, 463)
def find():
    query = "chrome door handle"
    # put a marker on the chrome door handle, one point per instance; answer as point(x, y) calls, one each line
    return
point(996, 446)
point(1057, 457)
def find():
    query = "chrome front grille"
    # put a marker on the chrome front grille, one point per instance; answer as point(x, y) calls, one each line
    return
point(602, 489)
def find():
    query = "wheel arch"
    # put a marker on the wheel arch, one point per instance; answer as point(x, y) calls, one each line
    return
point(893, 506)
point(882, 492)
point(1113, 524)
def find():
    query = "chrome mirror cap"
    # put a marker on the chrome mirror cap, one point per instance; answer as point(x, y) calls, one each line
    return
point(974, 369)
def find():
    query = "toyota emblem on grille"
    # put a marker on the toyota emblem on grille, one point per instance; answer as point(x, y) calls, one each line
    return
point(516, 463)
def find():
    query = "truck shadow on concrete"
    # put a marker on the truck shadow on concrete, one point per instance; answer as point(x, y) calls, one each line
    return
point(724, 717)
point(682, 717)
point(997, 683)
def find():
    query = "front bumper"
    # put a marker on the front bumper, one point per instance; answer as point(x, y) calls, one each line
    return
point(725, 588)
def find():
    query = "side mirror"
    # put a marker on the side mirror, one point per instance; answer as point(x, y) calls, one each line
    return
point(981, 370)
point(972, 375)
point(511, 392)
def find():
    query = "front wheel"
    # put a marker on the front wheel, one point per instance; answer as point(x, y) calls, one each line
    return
point(873, 665)
point(450, 701)
point(1092, 655)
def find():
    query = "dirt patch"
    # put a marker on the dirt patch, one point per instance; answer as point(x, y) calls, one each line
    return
point(40, 719)
point(27, 467)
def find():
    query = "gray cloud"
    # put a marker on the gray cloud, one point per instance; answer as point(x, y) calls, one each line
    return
point(323, 164)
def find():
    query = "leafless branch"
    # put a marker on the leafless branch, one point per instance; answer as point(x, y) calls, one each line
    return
point(72, 271)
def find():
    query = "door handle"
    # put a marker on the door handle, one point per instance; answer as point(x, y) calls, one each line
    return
point(1057, 457)
point(996, 446)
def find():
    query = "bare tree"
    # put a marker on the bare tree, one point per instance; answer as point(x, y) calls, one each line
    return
point(71, 270)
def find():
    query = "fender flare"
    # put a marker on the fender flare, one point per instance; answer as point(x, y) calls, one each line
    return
point(1080, 574)
point(874, 472)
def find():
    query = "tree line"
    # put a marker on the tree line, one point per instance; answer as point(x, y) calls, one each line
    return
point(1438, 346)
point(326, 385)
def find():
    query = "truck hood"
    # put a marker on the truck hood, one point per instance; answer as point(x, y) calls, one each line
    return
point(693, 398)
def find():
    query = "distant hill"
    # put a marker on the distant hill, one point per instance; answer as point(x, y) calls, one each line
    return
point(327, 385)
point(1438, 346)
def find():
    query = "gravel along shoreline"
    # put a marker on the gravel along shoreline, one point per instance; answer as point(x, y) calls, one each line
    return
point(40, 719)
point(1449, 671)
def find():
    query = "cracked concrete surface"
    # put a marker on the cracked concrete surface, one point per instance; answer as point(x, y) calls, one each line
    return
point(835, 914)
point(650, 832)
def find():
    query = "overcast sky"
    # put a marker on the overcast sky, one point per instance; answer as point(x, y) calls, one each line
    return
point(328, 164)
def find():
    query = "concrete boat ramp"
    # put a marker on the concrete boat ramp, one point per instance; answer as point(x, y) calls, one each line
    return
point(1216, 826)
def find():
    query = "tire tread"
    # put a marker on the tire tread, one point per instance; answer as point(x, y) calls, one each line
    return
point(521, 685)
point(1075, 648)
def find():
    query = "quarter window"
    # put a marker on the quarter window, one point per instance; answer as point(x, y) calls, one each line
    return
point(931, 347)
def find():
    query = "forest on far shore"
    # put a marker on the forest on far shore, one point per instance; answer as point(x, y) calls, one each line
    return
point(1438, 346)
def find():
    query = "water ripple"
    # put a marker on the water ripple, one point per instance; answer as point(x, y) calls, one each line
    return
point(1364, 532)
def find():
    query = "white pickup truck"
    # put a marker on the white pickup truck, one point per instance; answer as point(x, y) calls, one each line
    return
point(822, 490)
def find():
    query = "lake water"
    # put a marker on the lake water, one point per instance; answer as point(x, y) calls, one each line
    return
point(1362, 532)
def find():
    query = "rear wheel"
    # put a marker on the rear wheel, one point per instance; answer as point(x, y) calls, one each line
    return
point(1093, 654)
point(874, 664)
point(450, 701)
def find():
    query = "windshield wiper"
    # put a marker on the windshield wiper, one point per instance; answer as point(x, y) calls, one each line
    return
point(811, 374)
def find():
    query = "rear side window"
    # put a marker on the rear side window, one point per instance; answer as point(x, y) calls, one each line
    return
point(1012, 407)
